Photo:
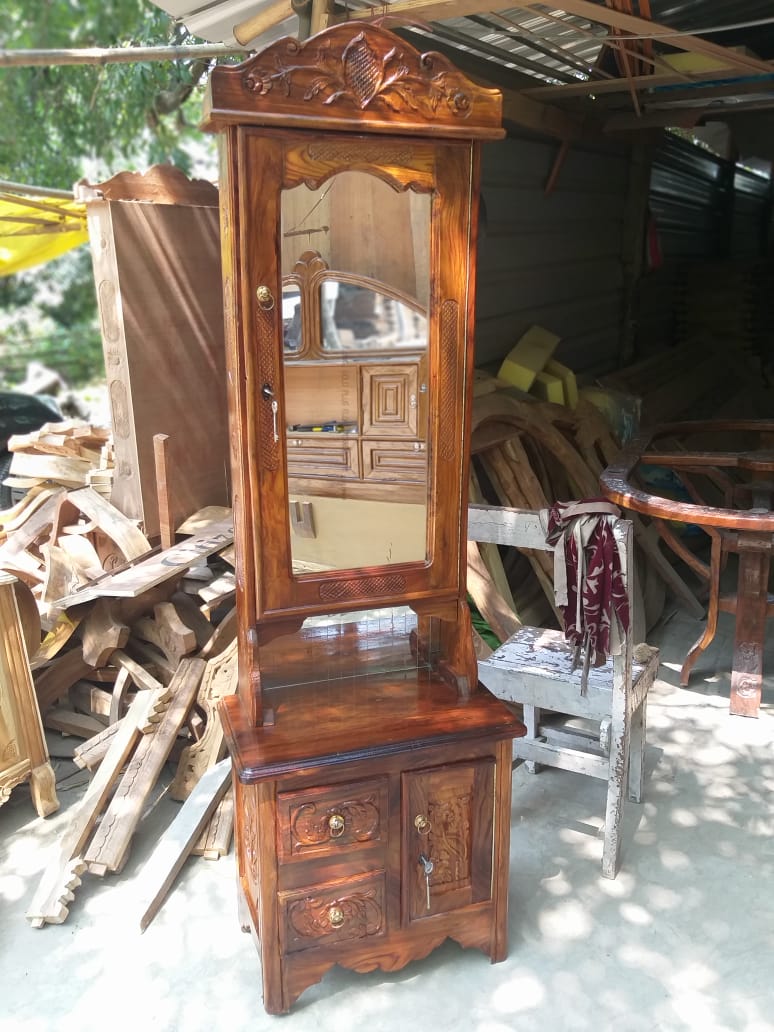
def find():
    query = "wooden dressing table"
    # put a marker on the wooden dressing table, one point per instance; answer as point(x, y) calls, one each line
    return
point(372, 773)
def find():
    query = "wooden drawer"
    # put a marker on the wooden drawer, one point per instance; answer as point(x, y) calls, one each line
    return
point(338, 912)
point(320, 822)
point(395, 461)
point(325, 455)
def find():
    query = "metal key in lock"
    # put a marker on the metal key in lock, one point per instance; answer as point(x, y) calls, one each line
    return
point(429, 867)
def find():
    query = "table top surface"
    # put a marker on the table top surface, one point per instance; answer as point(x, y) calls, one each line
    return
point(620, 482)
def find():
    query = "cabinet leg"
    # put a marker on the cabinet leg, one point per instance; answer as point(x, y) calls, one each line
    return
point(498, 949)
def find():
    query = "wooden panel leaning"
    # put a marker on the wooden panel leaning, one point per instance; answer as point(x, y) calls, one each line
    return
point(534, 668)
point(23, 752)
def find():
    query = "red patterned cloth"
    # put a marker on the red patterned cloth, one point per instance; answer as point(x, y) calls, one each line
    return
point(588, 576)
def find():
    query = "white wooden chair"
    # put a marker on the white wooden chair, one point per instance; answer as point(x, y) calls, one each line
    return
point(534, 668)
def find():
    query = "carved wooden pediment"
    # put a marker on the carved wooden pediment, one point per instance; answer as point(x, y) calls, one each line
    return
point(350, 74)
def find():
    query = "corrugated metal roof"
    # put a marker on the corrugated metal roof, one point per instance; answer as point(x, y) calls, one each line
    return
point(547, 47)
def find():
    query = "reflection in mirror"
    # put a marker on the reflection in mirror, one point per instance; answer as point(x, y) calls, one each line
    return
point(355, 317)
point(355, 265)
point(291, 318)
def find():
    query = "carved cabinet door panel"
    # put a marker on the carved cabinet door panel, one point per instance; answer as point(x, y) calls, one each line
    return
point(391, 400)
point(448, 822)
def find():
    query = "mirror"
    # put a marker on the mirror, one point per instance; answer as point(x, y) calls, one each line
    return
point(356, 286)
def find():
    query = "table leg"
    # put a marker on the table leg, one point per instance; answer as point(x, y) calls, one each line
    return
point(751, 607)
point(711, 626)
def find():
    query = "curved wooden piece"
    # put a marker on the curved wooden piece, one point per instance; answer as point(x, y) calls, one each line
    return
point(617, 481)
point(712, 611)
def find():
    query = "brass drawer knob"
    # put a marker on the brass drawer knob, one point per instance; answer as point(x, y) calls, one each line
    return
point(336, 825)
point(336, 917)
point(422, 824)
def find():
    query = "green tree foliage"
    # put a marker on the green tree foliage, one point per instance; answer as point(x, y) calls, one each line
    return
point(61, 122)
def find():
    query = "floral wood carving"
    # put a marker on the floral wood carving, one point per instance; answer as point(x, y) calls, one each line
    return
point(364, 74)
point(450, 839)
point(310, 823)
point(348, 75)
point(362, 913)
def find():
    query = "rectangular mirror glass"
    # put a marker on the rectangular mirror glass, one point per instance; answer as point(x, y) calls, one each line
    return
point(356, 287)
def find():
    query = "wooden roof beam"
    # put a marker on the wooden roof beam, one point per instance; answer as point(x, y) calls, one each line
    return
point(643, 27)
point(599, 87)
point(438, 10)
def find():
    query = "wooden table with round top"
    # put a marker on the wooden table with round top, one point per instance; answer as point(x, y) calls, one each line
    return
point(731, 492)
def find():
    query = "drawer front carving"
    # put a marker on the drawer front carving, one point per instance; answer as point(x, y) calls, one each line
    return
point(318, 822)
point(391, 400)
point(450, 821)
point(395, 461)
point(329, 455)
point(338, 912)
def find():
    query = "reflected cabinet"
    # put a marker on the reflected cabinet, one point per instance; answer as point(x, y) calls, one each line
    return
point(371, 770)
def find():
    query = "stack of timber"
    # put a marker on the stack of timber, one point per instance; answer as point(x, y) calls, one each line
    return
point(67, 454)
point(528, 454)
point(133, 646)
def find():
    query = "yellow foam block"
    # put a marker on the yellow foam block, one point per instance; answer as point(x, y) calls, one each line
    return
point(548, 387)
point(686, 61)
point(569, 383)
point(528, 357)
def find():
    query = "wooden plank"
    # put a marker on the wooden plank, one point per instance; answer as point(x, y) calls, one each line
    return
point(123, 531)
point(49, 467)
point(219, 680)
point(92, 752)
point(503, 621)
point(215, 840)
point(159, 567)
point(110, 847)
point(68, 722)
point(59, 676)
point(161, 869)
point(62, 874)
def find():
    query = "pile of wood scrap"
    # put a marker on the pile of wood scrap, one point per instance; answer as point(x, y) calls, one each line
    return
point(528, 454)
point(68, 454)
point(138, 645)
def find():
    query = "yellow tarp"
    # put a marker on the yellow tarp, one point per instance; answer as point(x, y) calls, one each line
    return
point(33, 230)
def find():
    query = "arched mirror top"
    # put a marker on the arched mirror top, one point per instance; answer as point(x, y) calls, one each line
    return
point(329, 312)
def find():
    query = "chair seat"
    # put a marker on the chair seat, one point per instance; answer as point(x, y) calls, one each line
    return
point(534, 668)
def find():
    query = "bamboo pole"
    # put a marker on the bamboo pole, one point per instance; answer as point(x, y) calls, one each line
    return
point(115, 55)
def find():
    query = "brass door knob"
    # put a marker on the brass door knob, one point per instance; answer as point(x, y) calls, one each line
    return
point(265, 298)
point(336, 917)
point(336, 825)
point(422, 824)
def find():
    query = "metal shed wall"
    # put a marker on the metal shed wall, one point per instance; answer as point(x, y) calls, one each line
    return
point(690, 197)
point(705, 210)
point(554, 259)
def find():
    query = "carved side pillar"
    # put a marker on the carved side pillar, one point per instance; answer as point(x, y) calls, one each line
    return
point(23, 752)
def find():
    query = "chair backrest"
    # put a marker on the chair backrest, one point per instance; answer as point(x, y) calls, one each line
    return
point(521, 528)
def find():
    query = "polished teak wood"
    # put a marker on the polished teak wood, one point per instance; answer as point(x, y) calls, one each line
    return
point(371, 770)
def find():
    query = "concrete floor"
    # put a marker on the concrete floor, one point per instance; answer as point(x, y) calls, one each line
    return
point(683, 939)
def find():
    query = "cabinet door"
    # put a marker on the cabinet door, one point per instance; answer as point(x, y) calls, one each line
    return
point(390, 400)
point(448, 820)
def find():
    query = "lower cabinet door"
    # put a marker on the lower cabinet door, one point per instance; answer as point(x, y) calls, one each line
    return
point(448, 817)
